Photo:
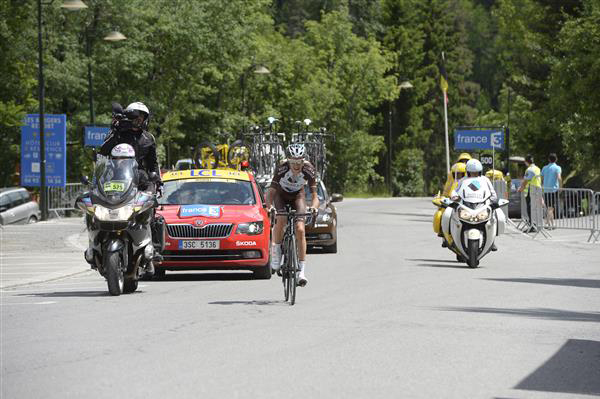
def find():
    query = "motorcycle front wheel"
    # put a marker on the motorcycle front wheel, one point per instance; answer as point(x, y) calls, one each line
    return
point(114, 273)
point(473, 252)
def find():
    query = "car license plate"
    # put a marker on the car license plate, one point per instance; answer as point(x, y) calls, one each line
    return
point(199, 244)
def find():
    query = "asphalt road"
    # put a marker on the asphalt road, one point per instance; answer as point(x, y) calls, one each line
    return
point(392, 315)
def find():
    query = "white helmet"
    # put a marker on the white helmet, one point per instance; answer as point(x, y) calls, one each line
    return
point(133, 110)
point(473, 165)
point(297, 150)
point(122, 151)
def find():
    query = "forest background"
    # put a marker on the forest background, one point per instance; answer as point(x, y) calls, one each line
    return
point(533, 64)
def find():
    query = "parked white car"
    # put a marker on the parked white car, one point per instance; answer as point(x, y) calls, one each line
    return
point(16, 206)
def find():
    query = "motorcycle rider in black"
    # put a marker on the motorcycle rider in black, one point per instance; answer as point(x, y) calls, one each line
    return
point(134, 132)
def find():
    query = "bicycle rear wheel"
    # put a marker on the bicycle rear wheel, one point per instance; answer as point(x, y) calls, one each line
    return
point(293, 270)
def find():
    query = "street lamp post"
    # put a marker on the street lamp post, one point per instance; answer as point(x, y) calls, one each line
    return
point(508, 136)
point(43, 194)
point(258, 69)
point(114, 36)
point(73, 4)
point(403, 85)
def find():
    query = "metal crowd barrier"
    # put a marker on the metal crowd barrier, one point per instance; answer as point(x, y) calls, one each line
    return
point(502, 192)
point(595, 233)
point(63, 198)
point(566, 208)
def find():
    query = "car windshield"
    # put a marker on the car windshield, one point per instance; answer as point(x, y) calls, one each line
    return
point(319, 194)
point(208, 192)
point(114, 177)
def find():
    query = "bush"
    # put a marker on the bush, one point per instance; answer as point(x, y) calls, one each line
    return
point(407, 173)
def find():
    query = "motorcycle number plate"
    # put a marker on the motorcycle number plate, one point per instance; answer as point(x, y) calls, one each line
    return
point(199, 244)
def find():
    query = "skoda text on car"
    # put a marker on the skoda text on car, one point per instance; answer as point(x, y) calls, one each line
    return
point(215, 220)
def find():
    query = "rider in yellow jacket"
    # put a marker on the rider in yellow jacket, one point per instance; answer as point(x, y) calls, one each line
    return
point(457, 172)
point(450, 181)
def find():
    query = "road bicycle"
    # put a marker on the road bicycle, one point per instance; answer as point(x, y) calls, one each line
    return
point(266, 149)
point(289, 252)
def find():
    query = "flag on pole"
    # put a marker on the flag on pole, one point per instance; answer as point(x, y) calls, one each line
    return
point(444, 86)
point(444, 78)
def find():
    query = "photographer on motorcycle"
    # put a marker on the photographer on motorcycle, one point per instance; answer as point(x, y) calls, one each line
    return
point(131, 128)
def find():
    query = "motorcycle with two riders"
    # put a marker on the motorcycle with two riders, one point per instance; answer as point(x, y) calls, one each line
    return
point(472, 218)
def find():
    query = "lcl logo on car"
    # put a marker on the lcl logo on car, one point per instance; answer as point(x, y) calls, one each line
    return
point(245, 243)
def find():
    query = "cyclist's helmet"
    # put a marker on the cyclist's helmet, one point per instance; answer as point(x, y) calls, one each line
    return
point(122, 151)
point(296, 150)
point(134, 110)
point(474, 166)
point(464, 157)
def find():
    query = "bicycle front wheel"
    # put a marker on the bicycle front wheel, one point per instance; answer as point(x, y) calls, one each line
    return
point(285, 276)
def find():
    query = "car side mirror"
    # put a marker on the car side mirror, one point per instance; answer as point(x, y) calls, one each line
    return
point(337, 197)
point(85, 180)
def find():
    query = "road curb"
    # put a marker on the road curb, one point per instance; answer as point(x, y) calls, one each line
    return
point(46, 278)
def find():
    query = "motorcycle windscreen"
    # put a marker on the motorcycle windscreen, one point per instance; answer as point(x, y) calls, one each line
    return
point(115, 178)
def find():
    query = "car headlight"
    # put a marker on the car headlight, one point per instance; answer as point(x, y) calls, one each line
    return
point(464, 214)
point(483, 215)
point(325, 218)
point(121, 214)
point(252, 228)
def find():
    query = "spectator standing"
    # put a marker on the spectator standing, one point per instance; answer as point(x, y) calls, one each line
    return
point(532, 178)
point(551, 182)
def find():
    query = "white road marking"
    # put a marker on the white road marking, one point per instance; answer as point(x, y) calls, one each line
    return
point(29, 303)
point(45, 256)
point(68, 262)
point(44, 269)
point(4, 294)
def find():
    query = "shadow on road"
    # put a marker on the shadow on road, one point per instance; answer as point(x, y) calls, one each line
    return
point(456, 266)
point(575, 368)
point(571, 282)
point(537, 313)
point(420, 215)
point(262, 303)
point(433, 260)
point(66, 294)
point(204, 277)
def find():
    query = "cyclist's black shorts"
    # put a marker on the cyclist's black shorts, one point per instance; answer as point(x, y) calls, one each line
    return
point(296, 200)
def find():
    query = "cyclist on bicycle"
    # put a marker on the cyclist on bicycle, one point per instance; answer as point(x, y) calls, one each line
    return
point(287, 187)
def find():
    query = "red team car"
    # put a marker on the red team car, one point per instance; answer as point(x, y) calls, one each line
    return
point(215, 220)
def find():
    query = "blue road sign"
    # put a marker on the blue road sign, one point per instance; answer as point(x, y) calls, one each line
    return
point(55, 142)
point(94, 135)
point(479, 139)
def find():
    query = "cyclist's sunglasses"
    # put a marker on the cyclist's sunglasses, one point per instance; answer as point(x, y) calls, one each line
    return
point(299, 161)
